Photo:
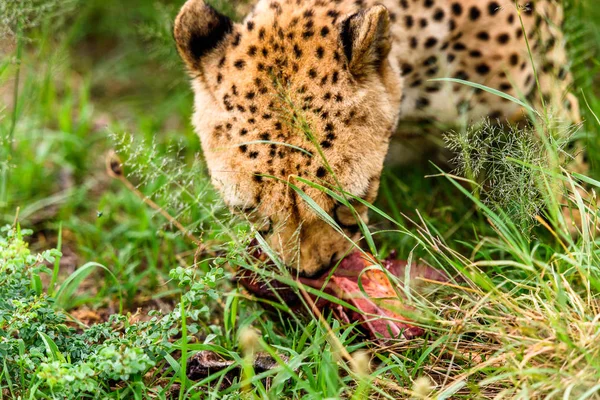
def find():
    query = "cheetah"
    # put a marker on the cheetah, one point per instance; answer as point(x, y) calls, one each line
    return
point(307, 94)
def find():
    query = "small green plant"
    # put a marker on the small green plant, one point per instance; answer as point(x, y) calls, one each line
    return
point(41, 351)
point(505, 163)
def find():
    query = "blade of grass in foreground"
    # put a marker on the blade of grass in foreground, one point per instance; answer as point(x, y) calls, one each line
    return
point(184, 351)
point(491, 91)
point(51, 348)
point(70, 284)
point(56, 268)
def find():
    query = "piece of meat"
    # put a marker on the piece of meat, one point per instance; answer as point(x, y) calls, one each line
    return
point(375, 292)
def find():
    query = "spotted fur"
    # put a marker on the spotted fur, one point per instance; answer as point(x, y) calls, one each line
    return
point(299, 82)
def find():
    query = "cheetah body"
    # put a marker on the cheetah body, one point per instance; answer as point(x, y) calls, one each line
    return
point(316, 90)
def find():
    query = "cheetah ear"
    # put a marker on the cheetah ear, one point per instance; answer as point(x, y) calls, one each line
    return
point(365, 39)
point(199, 28)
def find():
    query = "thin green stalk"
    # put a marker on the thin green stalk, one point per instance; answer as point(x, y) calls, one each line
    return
point(537, 81)
point(184, 351)
point(56, 268)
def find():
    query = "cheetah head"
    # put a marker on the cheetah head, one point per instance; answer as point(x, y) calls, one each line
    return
point(299, 92)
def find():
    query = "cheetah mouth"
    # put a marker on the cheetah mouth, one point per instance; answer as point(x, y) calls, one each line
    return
point(354, 280)
point(257, 253)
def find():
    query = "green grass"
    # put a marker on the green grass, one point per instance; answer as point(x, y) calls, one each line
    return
point(96, 75)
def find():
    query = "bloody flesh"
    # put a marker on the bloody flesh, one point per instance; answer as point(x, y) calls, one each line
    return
point(375, 290)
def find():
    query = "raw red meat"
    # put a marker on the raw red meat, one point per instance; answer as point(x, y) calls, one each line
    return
point(376, 294)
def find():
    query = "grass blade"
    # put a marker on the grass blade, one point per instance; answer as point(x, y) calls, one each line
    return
point(491, 91)
point(51, 348)
point(68, 287)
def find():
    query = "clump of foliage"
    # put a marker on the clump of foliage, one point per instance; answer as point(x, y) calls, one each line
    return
point(22, 15)
point(505, 162)
point(40, 351)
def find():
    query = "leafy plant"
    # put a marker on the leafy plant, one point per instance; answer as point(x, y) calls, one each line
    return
point(41, 350)
point(505, 163)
